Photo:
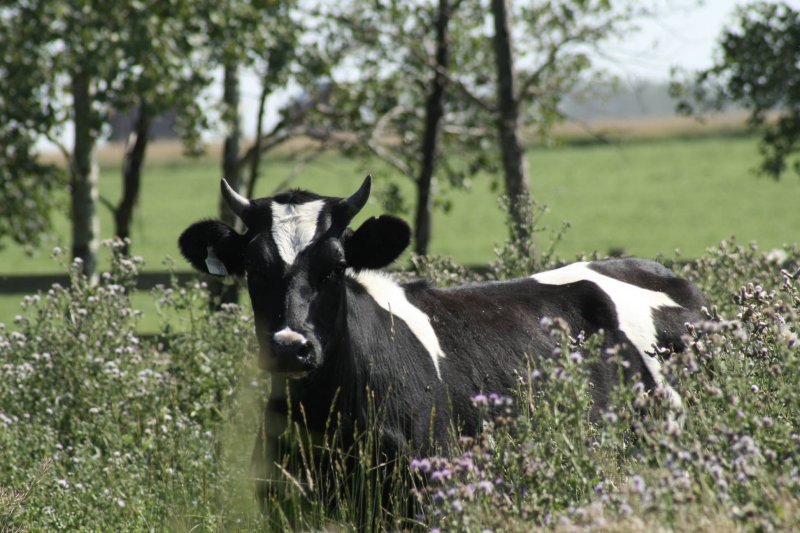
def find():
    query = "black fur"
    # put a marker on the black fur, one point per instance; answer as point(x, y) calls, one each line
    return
point(227, 244)
point(377, 242)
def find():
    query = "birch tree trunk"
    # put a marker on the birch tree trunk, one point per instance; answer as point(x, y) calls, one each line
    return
point(84, 179)
point(229, 292)
point(230, 151)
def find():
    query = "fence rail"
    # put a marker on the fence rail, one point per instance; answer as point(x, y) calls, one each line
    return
point(28, 283)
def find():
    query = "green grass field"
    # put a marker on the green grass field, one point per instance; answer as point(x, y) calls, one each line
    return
point(103, 430)
point(643, 197)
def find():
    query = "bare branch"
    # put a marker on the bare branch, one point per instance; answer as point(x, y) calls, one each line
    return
point(373, 142)
point(585, 34)
point(107, 203)
point(61, 148)
point(587, 128)
point(453, 80)
point(466, 91)
point(462, 130)
point(282, 131)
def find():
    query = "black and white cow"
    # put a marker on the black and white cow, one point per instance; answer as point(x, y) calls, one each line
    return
point(327, 318)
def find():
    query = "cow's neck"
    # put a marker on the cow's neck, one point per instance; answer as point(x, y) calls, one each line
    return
point(385, 295)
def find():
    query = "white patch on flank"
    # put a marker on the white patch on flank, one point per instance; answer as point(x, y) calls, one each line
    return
point(391, 296)
point(288, 336)
point(293, 227)
point(634, 306)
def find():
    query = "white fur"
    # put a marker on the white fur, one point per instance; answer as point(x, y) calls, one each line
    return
point(391, 296)
point(288, 336)
point(634, 307)
point(293, 227)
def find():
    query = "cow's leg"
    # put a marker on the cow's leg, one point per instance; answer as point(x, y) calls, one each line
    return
point(265, 458)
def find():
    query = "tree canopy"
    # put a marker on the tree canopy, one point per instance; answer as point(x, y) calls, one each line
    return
point(757, 67)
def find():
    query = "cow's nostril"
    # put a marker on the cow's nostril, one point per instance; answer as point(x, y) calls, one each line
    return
point(304, 350)
point(299, 349)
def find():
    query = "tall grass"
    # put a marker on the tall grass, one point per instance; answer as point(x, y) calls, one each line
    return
point(103, 430)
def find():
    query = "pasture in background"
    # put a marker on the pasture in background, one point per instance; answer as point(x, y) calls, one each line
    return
point(644, 198)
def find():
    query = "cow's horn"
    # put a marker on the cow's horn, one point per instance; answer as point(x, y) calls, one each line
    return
point(360, 197)
point(238, 203)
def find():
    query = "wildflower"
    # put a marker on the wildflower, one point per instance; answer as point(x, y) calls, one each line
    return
point(441, 475)
point(480, 400)
point(423, 465)
point(498, 400)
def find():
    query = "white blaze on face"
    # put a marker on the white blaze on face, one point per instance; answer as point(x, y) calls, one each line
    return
point(634, 306)
point(392, 297)
point(293, 227)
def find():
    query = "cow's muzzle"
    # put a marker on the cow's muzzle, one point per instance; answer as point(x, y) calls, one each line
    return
point(292, 353)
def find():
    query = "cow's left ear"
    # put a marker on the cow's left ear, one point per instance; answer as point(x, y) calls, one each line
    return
point(213, 247)
point(376, 243)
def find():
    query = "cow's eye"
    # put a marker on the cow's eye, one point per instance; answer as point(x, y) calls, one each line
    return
point(337, 272)
point(339, 268)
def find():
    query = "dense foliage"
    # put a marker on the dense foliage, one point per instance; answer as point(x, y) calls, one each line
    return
point(104, 430)
point(758, 67)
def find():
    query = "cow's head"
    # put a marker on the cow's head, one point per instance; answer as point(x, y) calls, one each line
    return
point(294, 257)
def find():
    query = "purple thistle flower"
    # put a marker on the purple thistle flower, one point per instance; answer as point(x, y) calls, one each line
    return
point(486, 486)
point(423, 465)
point(480, 400)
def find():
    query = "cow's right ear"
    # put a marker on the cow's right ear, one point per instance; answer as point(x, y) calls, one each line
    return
point(213, 247)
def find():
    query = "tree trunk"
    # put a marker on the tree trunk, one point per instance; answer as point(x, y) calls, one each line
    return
point(434, 109)
point(132, 174)
point(514, 165)
point(255, 162)
point(84, 179)
point(229, 292)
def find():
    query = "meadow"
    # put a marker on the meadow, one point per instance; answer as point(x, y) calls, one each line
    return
point(102, 428)
point(645, 198)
